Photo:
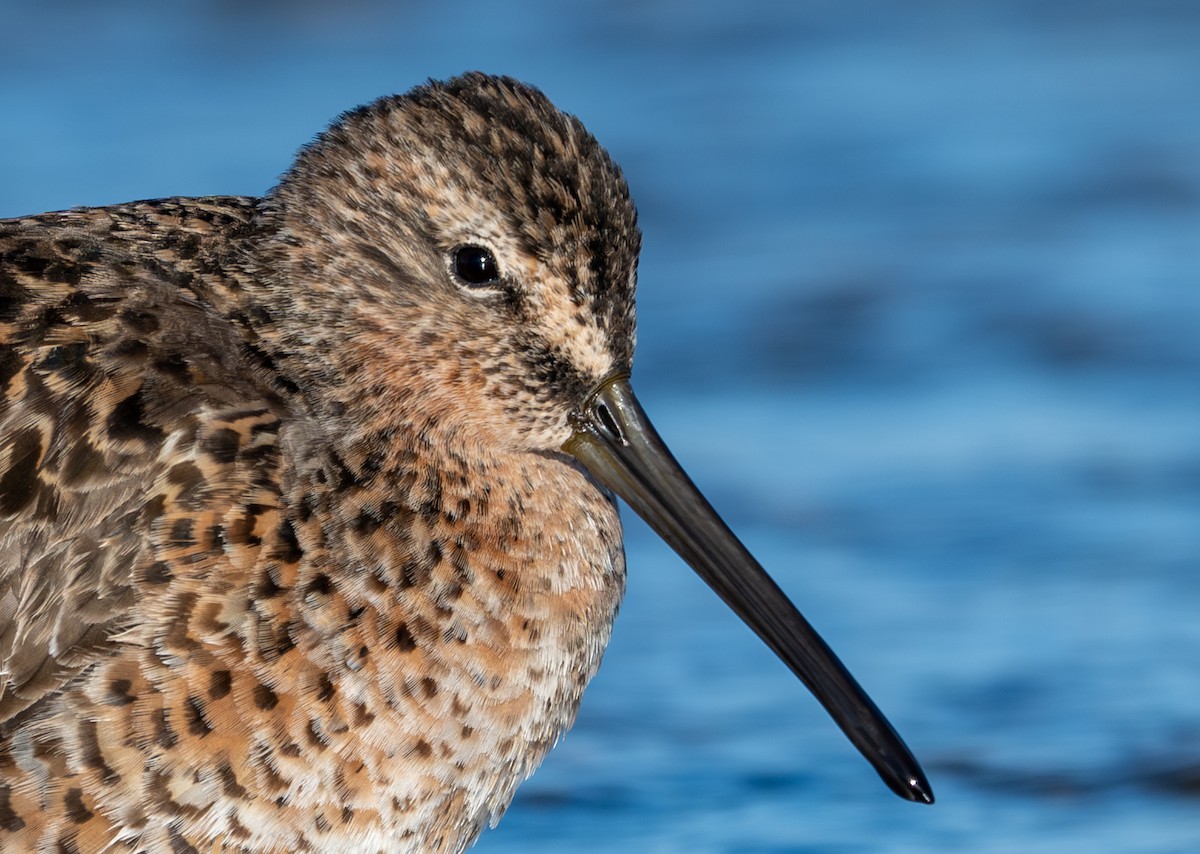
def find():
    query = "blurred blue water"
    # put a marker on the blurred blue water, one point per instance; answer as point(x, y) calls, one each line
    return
point(919, 311)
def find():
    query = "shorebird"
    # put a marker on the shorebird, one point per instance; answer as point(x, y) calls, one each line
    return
point(308, 539)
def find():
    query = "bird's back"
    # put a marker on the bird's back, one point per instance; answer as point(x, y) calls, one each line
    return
point(133, 417)
point(111, 359)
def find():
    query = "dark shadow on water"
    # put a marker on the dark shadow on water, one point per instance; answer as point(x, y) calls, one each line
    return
point(1173, 777)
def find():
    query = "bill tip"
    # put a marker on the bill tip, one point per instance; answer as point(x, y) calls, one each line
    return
point(917, 790)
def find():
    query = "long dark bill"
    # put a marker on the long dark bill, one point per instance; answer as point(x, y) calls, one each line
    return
point(616, 442)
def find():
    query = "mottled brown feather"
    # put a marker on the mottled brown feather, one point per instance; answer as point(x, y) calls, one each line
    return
point(107, 337)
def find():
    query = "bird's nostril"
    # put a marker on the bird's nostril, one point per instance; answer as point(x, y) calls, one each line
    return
point(605, 416)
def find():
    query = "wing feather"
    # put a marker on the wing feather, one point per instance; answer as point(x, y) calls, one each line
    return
point(113, 355)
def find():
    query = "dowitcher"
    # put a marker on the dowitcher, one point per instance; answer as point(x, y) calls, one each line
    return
point(306, 526)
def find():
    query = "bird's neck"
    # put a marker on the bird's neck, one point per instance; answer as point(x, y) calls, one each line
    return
point(470, 606)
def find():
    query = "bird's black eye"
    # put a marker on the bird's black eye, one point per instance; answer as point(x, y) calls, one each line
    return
point(476, 266)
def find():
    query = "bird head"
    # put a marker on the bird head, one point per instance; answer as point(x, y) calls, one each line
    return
point(473, 252)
